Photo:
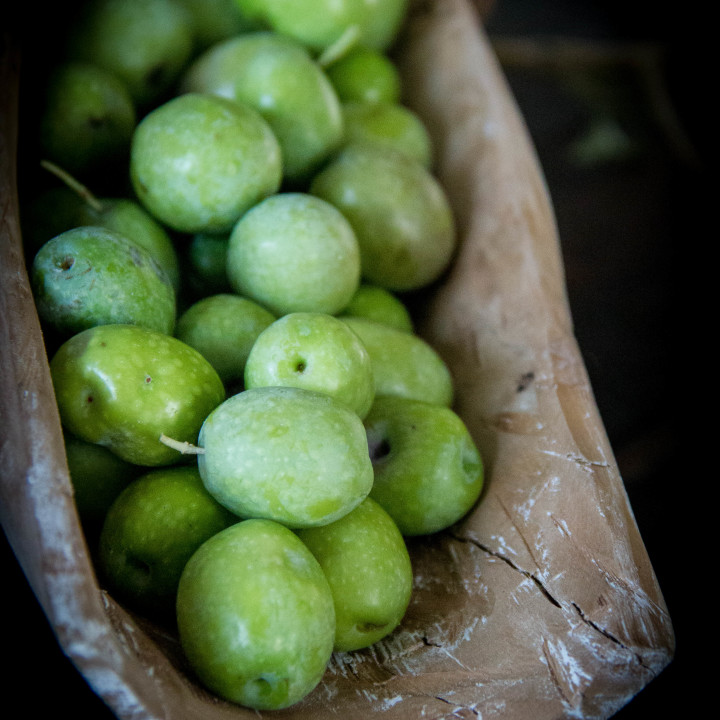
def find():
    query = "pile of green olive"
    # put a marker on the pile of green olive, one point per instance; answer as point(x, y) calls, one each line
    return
point(234, 206)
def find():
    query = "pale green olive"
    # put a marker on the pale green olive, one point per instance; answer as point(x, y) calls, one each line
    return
point(317, 352)
point(198, 162)
point(276, 76)
point(365, 75)
point(428, 470)
point(124, 387)
point(255, 616)
point(380, 305)
point(403, 363)
point(366, 562)
point(151, 529)
point(400, 213)
point(91, 276)
point(223, 328)
point(127, 217)
point(294, 252)
point(319, 24)
point(294, 456)
point(389, 125)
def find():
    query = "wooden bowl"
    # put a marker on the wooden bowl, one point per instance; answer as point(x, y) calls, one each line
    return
point(542, 603)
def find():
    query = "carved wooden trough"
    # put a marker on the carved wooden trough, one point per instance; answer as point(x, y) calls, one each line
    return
point(542, 603)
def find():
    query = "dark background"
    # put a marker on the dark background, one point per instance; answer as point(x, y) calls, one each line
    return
point(612, 96)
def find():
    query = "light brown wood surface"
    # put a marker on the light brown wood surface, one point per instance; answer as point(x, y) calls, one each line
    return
point(542, 603)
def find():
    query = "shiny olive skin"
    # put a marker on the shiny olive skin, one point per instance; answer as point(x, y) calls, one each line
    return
point(255, 615)
point(198, 162)
point(127, 217)
point(400, 213)
point(319, 24)
point(365, 75)
point(282, 81)
point(91, 275)
point(123, 386)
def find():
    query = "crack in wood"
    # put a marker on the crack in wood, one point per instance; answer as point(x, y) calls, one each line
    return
point(525, 573)
point(609, 636)
point(511, 518)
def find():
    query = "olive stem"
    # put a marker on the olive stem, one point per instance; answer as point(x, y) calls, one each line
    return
point(73, 184)
point(340, 47)
point(184, 448)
